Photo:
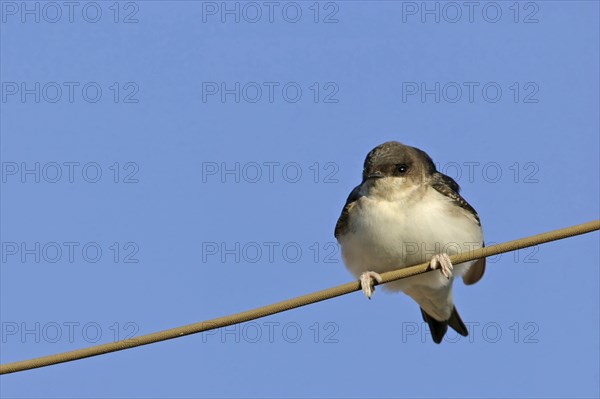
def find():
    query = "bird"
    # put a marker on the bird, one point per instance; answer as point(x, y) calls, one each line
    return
point(405, 212)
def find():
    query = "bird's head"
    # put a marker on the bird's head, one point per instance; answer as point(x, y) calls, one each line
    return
point(395, 169)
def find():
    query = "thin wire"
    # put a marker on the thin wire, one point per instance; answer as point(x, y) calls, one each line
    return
point(292, 303)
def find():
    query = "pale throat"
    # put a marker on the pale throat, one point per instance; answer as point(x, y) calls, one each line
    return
point(395, 189)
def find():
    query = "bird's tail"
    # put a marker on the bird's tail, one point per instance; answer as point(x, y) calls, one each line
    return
point(438, 328)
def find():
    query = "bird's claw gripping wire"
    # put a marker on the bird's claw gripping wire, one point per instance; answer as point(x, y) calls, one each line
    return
point(442, 261)
point(367, 282)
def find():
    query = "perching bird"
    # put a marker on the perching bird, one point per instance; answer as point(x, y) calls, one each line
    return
point(405, 212)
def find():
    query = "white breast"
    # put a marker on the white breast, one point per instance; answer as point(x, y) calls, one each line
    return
point(385, 235)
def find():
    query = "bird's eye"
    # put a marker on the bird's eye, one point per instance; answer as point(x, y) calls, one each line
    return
point(402, 168)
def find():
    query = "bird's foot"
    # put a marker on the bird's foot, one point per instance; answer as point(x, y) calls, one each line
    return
point(442, 262)
point(367, 282)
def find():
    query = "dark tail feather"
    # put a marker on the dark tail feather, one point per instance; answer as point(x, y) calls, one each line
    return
point(457, 324)
point(438, 328)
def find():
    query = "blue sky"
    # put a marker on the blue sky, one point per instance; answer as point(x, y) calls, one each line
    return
point(164, 163)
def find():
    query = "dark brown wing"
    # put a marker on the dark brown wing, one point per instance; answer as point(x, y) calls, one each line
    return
point(341, 227)
point(448, 187)
point(475, 272)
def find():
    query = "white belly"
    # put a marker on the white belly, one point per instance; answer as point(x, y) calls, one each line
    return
point(385, 235)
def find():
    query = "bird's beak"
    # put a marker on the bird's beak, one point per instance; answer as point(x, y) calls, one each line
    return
point(375, 175)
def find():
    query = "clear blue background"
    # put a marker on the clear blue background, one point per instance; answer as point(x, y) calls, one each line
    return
point(543, 302)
